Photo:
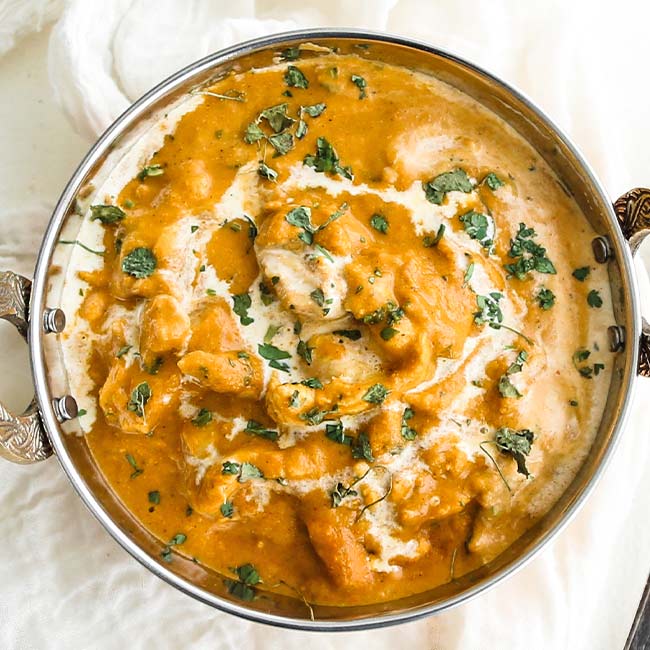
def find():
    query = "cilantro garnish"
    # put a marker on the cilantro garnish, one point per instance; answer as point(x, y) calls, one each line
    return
point(176, 540)
point(203, 417)
point(243, 471)
point(227, 509)
point(490, 313)
point(361, 448)
point(430, 242)
point(140, 262)
point(150, 170)
point(312, 382)
point(315, 415)
point(353, 335)
point(241, 305)
point(139, 397)
point(326, 160)
point(136, 470)
point(282, 143)
point(266, 172)
point(106, 213)
point(454, 181)
point(376, 394)
point(476, 226)
point(516, 444)
point(530, 256)
point(545, 298)
point(273, 355)
point(581, 273)
point(360, 83)
point(244, 587)
point(294, 78)
point(594, 299)
point(493, 181)
point(304, 351)
point(407, 432)
point(335, 433)
point(379, 223)
point(255, 428)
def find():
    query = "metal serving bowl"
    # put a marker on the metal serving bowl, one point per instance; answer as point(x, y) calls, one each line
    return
point(48, 424)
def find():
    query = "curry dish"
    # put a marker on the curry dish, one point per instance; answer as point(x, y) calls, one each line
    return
point(336, 330)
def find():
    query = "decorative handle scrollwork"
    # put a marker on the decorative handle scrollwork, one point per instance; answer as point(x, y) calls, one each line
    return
point(633, 214)
point(22, 437)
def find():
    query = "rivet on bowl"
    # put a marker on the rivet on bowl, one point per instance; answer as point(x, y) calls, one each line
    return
point(65, 408)
point(53, 321)
point(602, 249)
point(616, 335)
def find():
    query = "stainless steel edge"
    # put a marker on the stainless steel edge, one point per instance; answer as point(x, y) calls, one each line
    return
point(44, 396)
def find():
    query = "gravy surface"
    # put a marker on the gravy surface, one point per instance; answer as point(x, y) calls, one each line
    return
point(344, 336)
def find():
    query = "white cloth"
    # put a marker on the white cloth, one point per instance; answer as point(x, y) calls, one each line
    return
point(66, 584)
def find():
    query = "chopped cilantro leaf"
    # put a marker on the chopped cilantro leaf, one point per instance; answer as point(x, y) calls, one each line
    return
point(360, 83)
point(107, 214)
point(203, 417)
point(453, 181)
point(150, 170)
point(430, 242)
point(312, 382)
point(361, 448)
point(379, 223)
point(255, 428)
point(294, 78)
point(139, 397)
point(407, 432)
point(516, 444)
point(376, 394)
point(594, 299)
point(131, 461)
point(241, 305)
point(140, 263)
point(493, 181)
point(266, 172)
point(326, 160)
point(353, 335)
point(581, 273)
point(545, 298)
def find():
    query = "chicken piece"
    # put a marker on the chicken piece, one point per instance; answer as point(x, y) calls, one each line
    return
point(385, 432)
point(308, 282)
point(285, 403)
point(443, 492)
point(214, 329)
point(371, 283)
point(309, 285)
point(224, 372)
point(334, 541)
point(136, 402)
point(165, 326)
point(210, 487)
point(429, 294)
point(345, 236)
point(175, 263)
point(337, 356)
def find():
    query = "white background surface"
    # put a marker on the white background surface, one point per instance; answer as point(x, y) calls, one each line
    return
point(65, 584)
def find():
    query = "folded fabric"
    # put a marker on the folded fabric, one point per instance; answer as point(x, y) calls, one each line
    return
point(580, 592)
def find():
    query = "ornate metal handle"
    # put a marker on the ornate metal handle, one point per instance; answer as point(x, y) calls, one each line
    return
point(633, 213)
point(22, 437)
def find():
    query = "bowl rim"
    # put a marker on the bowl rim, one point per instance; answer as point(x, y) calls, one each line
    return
point(37, 356)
